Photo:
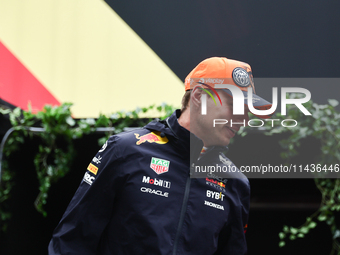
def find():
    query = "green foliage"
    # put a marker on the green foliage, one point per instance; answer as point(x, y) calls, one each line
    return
point(56, 150)
point(324, 125)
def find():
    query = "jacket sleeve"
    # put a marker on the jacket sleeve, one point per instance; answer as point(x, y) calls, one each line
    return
point(89, 211)
point(232, 239)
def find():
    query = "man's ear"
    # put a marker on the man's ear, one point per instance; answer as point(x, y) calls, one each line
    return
point(196, 95)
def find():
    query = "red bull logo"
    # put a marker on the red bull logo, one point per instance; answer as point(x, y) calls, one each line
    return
point(221, 184)
point(153, 137)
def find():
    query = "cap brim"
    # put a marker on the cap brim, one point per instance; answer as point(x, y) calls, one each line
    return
point(258, 102)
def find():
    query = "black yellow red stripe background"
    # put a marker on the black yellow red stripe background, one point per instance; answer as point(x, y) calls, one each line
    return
point(80, 52)
point(106, 56)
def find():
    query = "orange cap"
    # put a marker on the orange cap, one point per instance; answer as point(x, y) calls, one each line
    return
point(220, 70)
point(215, 71)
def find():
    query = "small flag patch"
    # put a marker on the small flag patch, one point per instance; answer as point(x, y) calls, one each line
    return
point(92, 168)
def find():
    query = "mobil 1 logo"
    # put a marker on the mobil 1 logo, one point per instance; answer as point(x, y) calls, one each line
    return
point(157, 182)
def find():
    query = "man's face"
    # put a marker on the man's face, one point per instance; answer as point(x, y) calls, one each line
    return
point(221, 133)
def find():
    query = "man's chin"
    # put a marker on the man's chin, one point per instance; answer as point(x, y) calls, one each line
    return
point(224, 142)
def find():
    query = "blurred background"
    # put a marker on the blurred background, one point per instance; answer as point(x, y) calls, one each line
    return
point(107, 56)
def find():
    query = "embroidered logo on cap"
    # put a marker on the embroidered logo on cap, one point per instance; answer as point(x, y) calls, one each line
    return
point(241, 77)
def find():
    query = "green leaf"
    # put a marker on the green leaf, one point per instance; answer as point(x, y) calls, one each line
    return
point(282, 243)
point(330, 220)
point(333, 102)
point(292, 237)
point(322, 217)
point(90, 121)
point(17, 112)
point(282, 235)
point(49, 171)
point(304, 230)
point(286, 229)
point(324, 207)
point(312, 224)
point(336, 234)
point(70, 121)
point(293, 230)
point(5, 111)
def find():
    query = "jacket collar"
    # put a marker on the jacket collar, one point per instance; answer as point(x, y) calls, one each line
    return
point(181, 136)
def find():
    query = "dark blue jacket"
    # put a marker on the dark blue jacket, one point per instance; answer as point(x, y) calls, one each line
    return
point(137, 197)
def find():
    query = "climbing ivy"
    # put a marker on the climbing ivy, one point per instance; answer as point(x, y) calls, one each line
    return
point(57, 130)
point(323, 125)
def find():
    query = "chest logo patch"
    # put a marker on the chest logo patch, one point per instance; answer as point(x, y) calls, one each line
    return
point(160, 166)
point(153, 137)
point(92, 168)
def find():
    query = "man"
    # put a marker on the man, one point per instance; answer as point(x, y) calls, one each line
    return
point(138, 197)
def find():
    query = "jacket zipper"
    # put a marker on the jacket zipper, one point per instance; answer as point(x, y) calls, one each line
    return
point(183, 211)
